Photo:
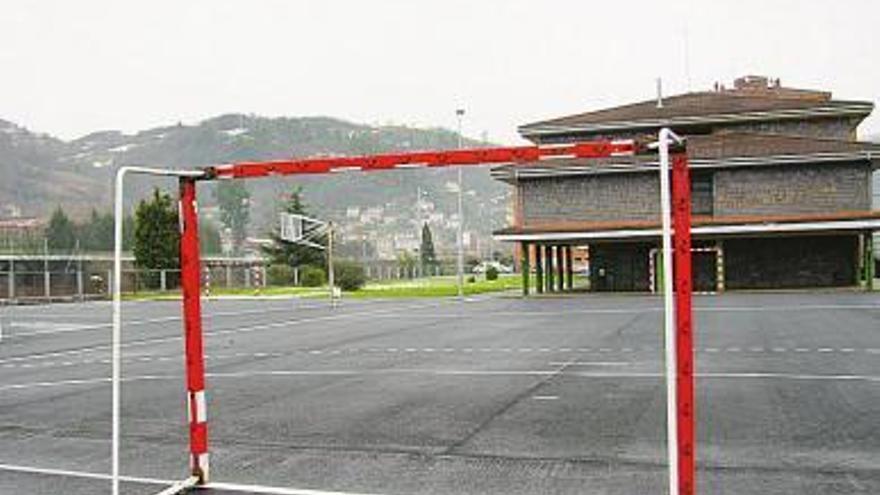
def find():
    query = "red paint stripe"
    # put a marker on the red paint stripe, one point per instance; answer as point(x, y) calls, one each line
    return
point(476, 156)
point(685, 409)
point(198, 433)
point(190, 274)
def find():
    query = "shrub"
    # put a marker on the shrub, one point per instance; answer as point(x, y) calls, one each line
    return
point(280, 275)
point(349, 275)
point(312, 276)
point(491, 273)
point(471, 279)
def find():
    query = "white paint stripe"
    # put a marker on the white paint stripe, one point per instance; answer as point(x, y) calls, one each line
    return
point(80, 474)
point(272, 490)
point(201, 407)
point(261, 489)
point(466, 373)
point(180, 486)
point(546, 397)
point(100, 326)
point(591, 363)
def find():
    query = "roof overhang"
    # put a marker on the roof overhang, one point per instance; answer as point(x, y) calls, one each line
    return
point(840, 110)
point(511, 173)
point(706, 230)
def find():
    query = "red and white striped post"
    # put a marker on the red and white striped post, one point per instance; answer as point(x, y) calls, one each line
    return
point(675, 202)
point(190, 274)
point(684, 340)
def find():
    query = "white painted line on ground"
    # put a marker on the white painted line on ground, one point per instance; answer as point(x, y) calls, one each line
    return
point(239, 487)
point(590, 363)
point(80, 474)
point(464, 373)
point(264, 326)
point(546, 397)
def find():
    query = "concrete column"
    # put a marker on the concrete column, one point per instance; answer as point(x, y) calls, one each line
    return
point(539, 269)
point(569, 268)
point(560, 268)
point(163, 280)
point(551, 282)
point(228, 275)
point(79, 283)
point(47, 282)
point(524, 267)
point(871, 262)
point(11, 280)
point(247, 277)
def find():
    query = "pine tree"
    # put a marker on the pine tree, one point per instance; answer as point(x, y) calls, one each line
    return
point(60, 233)
point(234, 201)
point(156, 233)
point(428, 256)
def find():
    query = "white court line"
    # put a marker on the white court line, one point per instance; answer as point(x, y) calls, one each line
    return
point(263, 489)
point(629, 311)
point(163, 319)
point(590, 363)
point(263, 326)
point(464, 373)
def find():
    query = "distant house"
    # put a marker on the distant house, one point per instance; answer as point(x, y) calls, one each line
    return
point(782, 191)
point(20, 232)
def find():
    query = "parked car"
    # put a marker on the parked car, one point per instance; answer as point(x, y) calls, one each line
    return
point(481, 268)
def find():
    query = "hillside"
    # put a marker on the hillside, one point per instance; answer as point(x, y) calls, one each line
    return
point(41, 171)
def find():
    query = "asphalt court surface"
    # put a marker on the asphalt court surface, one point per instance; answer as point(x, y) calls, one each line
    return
point(497, 394)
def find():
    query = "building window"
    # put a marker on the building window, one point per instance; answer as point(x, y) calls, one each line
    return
point(702, 192)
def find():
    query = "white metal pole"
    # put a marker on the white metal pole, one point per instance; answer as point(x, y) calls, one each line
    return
point(330, 278)
point(116, 333)
point(668, 312)
point(460, 231)
point(117, 322)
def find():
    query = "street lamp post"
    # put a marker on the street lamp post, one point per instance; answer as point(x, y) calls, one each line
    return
point(459, 113)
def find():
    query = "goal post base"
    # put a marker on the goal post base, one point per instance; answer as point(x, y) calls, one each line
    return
point(182, 486)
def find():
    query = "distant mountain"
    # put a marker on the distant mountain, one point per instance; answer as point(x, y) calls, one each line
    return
point(40, 171)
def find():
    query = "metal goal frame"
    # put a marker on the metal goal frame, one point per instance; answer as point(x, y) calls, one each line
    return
point(675, 208)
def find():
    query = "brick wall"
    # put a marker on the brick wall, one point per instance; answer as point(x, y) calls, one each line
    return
point(626, 196)
point(770, 263)
point(831, 128)
point(792, 189)
point(776, 190)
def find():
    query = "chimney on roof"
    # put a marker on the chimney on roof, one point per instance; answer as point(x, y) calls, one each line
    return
point(659, 93)
point(751, 83)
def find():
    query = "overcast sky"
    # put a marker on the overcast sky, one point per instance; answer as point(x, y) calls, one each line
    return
point(72, 67)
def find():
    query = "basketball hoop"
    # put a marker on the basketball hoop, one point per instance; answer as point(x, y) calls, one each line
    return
point(300, 229)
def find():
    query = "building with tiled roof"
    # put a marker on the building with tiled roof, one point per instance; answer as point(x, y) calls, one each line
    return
point(782, 193)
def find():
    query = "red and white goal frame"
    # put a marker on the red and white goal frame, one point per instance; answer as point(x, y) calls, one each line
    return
point(677, 323)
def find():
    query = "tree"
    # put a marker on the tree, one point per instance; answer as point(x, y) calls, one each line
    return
point(429, 258)
point(293, 254)
point(234, 201)
point(209, 238)
point(96, 234)
point(156, 234)
point(60, 233)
